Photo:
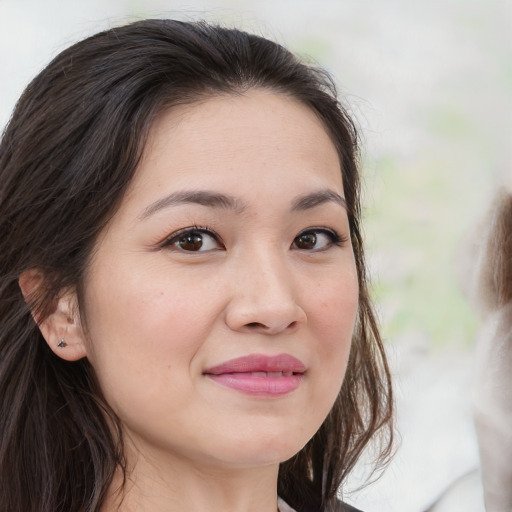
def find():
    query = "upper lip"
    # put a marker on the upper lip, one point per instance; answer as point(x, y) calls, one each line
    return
point(259, 363)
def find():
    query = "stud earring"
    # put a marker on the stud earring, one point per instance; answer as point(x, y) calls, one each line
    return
point(62, 343)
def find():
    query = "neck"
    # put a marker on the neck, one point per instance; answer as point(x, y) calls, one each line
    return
point(176, 486)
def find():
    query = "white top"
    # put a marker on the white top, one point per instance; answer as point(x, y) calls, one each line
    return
point(283, 507)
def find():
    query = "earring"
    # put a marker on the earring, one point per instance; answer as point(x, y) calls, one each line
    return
point(62, 343)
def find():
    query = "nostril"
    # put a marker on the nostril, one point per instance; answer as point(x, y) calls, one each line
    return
point(258, 325)
point(254, 325)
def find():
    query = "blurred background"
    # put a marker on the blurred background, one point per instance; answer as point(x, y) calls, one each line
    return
point(430, 83)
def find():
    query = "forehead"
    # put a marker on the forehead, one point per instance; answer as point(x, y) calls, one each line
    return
point(237, 141)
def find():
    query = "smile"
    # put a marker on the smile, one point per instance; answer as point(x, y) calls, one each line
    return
point(260, 375)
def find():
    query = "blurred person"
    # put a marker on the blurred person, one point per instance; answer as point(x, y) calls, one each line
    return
point(490, 288)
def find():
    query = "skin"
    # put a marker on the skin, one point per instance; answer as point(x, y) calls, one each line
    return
point(158, 314)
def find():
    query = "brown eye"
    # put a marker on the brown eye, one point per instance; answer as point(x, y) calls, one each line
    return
point(305, 241)
point(193, 240)
point(316, 240)
point(190, 241)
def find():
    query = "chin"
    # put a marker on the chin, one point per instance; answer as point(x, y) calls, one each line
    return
point(266, 439)
point(264, 450)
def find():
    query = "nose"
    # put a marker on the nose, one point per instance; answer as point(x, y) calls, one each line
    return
point(265, 298)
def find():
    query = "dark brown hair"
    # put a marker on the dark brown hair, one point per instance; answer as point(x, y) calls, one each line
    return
point(66, 157)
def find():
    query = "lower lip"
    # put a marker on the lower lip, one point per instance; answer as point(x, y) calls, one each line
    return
point(259, 386)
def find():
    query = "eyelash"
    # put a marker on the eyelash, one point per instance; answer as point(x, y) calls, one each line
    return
point(334, 237)
point(174, 237)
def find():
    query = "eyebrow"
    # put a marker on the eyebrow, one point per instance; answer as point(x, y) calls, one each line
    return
point(202, 197)
point(314, 199)
point(218, 200)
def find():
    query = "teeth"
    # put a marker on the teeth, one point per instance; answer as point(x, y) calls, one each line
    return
point(271, 374)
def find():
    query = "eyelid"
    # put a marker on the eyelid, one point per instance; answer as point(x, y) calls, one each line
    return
point(336, 238)
point(174, 236)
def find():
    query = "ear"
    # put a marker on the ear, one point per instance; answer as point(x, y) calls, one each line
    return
point(62, 328)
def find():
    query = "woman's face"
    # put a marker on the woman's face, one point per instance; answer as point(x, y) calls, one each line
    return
point(221, 298)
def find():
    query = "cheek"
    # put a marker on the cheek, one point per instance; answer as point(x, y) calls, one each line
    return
point(335, 315)
point(153, 302)
point(144, 328)
point(335, 308)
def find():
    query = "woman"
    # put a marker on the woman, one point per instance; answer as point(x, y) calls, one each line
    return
point(185, 322)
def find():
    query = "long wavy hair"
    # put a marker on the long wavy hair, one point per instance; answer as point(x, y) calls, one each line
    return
point(66, 158)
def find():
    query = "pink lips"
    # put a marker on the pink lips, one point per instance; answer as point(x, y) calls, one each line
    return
point(260, 375)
